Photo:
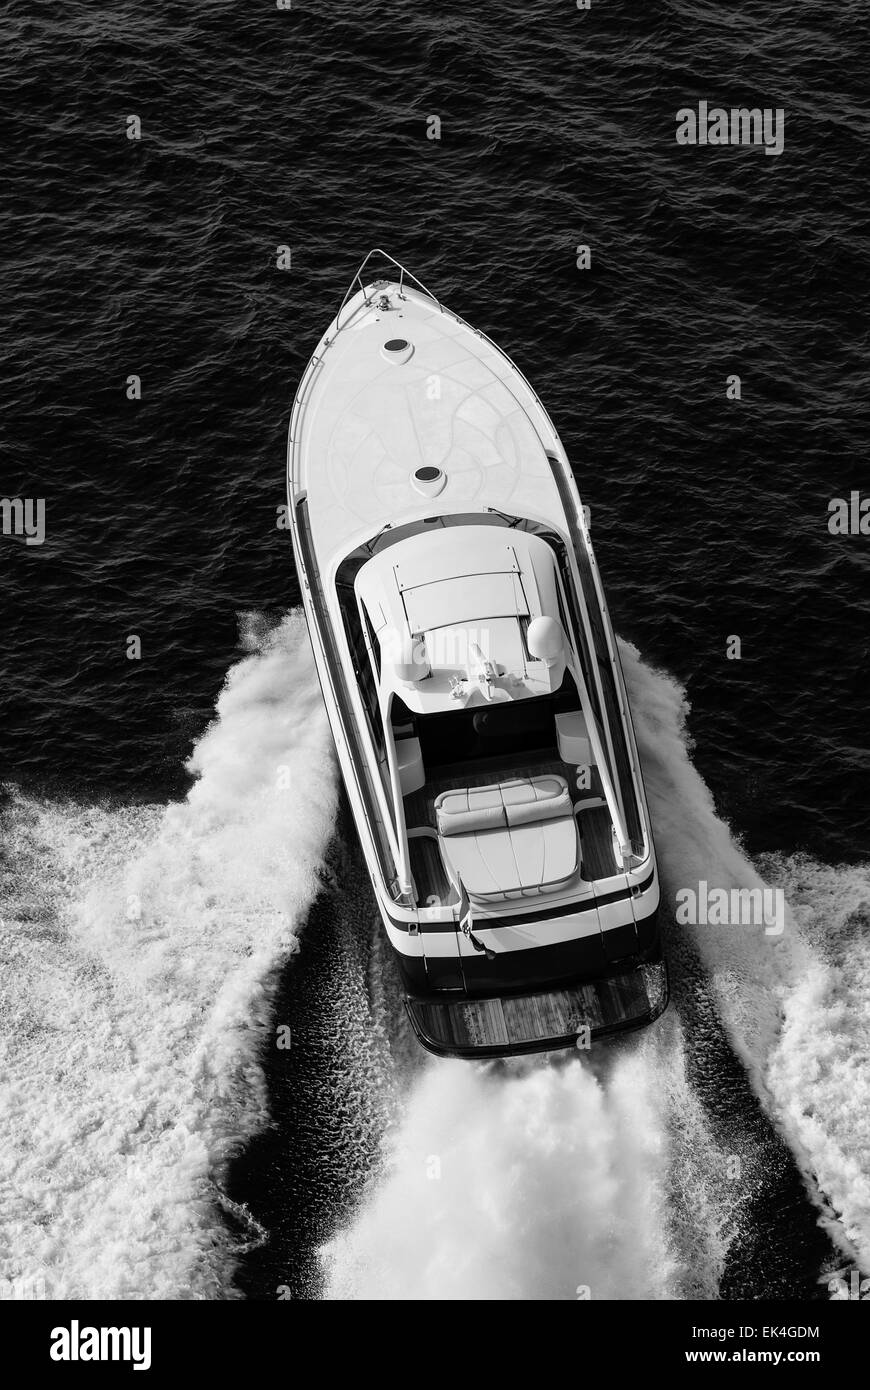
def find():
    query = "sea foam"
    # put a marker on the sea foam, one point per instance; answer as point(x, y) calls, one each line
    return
point(796, 1007)
point(140, 947)
point(547, 1177)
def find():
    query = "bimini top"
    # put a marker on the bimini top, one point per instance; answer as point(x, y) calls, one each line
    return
point(464, 615)
point(406, 411)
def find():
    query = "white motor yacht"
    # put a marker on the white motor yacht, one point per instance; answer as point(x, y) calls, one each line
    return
point(472, 681)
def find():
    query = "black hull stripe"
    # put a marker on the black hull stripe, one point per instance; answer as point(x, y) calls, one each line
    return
point(541, 915)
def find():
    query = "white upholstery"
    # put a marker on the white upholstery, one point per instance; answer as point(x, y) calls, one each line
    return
point(518, 802)
point(475, 818)
point(513, 839)
point(409, 759)
point(550, 799)
point(572, 737)
point(474, 808)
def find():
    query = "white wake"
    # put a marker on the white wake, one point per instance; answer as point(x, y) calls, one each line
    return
point(797, 1006)
point(545, 1178)
point(139, 949)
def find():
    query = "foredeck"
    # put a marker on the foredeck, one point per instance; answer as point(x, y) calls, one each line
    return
point(365, 424)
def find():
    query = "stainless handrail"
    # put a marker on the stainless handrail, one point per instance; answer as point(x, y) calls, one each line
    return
point(357, 281)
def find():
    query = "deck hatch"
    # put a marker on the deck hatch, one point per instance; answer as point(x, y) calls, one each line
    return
point(397, 350)
point(464, 599)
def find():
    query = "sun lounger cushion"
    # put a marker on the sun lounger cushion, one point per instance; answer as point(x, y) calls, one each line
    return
point(514, 839)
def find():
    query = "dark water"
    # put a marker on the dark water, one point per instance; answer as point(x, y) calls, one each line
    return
point(263, 128)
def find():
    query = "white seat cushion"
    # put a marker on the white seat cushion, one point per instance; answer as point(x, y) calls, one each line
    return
point(572, 736)
point(534, 799)
point(471, 808)
point(518, 802)
point(545, 854)
point(512, 839)
point(409, 760)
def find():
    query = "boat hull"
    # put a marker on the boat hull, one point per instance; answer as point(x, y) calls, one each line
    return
point(555, 977)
